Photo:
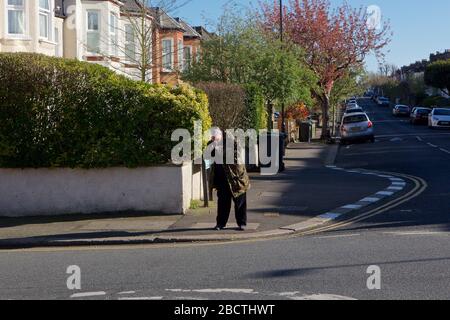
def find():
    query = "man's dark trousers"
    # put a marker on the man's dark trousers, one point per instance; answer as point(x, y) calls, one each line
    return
point(224, 199)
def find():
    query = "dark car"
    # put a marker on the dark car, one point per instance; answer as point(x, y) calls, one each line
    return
point(401, 111)
point(419, 115)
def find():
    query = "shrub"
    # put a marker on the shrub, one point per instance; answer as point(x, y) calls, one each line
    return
point(436, 101)
point(65, 113)
point(235, 106)
point(226, 104)
point(255, 107)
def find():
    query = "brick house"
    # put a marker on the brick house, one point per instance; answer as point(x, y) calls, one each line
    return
point(101, 31)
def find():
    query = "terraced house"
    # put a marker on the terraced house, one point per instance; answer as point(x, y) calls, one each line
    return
point(144, 43)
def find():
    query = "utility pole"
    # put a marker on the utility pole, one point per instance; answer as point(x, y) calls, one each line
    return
point(283, 120)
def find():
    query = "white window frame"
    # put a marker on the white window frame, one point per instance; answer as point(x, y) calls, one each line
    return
point(172, 60)
point(47, 14)
point(58, 44)
point(129, 43)
point(93, 31)
point(180, 48)
point(22, 8)
point(187, 63)
point(113, 34)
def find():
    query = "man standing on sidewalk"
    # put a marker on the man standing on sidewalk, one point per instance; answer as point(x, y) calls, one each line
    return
point(231, 182)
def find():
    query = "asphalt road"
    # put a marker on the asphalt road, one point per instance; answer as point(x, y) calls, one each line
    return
point(410, 245)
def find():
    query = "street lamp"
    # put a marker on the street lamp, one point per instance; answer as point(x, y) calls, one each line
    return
point(283, 123)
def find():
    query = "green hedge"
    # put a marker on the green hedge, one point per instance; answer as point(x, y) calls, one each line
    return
point(436, 101)
point(65, 113)
point(255, 107)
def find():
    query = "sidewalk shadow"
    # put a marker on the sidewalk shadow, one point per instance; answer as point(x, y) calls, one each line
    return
point(8, 222)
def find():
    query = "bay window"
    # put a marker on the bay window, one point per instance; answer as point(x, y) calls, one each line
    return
point(16, 17)
point(93, 32)
point(44, 19)
point(167, 54)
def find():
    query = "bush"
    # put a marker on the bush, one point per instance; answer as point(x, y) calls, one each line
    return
point(65, 113)
point(235, 106)
point(256, 112)
point(436, 101)
point(226, 104)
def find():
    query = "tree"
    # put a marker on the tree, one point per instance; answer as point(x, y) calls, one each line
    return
point(242, 53)
point(437, 75)
point(387, 70)
point(334, 41)
point(132, 43)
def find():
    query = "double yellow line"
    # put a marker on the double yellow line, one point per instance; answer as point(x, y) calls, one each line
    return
point(420, 185)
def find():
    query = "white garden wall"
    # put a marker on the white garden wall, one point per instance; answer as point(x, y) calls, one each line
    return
point(38, 192)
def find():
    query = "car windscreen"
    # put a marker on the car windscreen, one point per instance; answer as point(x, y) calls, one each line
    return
point(354, 111)
point(403, 108)
point(423, 111)
point(442, 112)
point(355, 119)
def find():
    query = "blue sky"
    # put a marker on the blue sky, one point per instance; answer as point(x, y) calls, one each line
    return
point(420, 26)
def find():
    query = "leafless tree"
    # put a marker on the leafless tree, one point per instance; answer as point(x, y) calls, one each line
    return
point(133, 44)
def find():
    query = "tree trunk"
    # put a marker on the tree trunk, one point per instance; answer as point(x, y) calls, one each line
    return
point(325, 101)
point(270, 115)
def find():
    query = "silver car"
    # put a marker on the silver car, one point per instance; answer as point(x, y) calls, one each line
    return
point(356, 126)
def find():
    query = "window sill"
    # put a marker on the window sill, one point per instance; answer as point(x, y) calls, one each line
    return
point(14, 38)
point(47, 41)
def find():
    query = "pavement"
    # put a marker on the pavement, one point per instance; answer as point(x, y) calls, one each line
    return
point(310, 193)
point(407, 242)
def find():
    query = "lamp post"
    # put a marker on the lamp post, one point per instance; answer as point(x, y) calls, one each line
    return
point(283, 120)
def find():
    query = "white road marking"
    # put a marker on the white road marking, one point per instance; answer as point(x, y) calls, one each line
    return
point(247, 291)
point(445, 150)
point(88, 294)
point(352, 206)
point(396, 180)
point(396, 188)
point(385, 193)
point(419, 138)
point(432, 145)
point(370, 200)
point(399, 183)
point(286, 294)
point(126, 292)
point(142, 298)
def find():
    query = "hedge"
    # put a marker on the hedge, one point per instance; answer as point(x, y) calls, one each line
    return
point(256, 112)
point(65, 113)
point(234, 106)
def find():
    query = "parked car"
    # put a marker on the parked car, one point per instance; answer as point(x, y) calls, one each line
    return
point(439, 118)
point(352, 105)
point(419, 115)
point(354, 110)
point(383, 102)
point(356, 126)
point(401, 110)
